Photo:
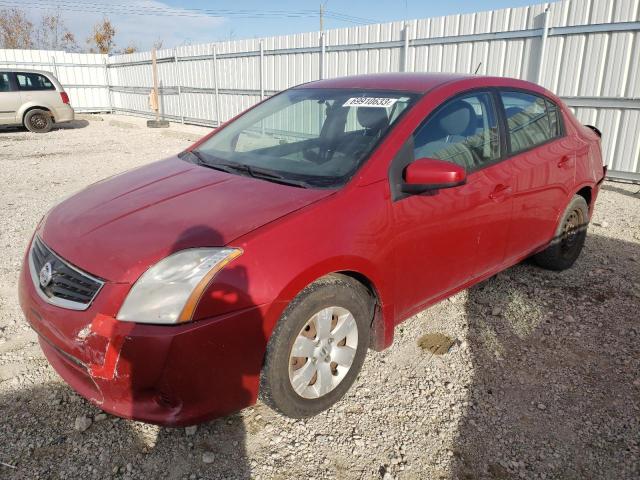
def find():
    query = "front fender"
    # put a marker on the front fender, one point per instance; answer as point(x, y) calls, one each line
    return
point(383, 322)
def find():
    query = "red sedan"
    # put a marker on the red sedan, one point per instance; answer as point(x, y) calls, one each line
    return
point(268, 257)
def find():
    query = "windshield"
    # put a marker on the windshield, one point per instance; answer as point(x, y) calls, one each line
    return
point(305, 137)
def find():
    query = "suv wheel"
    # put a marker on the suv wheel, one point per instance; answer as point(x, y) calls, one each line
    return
point(38, 121)
point(569, 238)
point(317, 348)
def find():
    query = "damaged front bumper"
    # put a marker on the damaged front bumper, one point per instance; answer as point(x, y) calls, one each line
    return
point(167, 375)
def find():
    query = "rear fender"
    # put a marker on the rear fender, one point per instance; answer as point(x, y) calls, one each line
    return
point(24, 108)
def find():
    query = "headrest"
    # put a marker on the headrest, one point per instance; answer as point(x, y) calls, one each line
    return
point(372, 118)
point(457, 117)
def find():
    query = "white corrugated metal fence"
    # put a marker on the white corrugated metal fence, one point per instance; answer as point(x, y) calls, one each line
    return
point(586, 51)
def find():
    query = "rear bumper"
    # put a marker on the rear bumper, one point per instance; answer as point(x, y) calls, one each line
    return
point(64, 113)
point(604, 174)
point(167, 375)
point(596, 190)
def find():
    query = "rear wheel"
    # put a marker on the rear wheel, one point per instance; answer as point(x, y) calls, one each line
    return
point(38, 121)
point(569, 238)
point(317, 349)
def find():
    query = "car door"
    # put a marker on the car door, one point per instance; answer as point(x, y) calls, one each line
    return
point(446, 237)
point(9, 99)
point(543, 162)
point(37, 88)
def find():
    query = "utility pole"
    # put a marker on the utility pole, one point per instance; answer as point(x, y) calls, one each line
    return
point(154, 101)
point(322, 17)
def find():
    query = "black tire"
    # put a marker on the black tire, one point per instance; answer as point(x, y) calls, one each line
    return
point(276, 389)
point(569, 237)
point(38, 121)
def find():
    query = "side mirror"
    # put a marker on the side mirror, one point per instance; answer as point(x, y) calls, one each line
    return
point(427, 174)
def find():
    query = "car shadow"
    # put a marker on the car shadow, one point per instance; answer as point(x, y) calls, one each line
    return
point(39, 440)
point(554, 358)
point(612, 188)
point(73, 125)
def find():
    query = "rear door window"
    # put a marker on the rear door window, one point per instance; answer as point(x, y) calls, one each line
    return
point(33, 81)
point(531, 120)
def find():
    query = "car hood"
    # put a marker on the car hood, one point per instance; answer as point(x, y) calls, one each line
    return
point(117, 228)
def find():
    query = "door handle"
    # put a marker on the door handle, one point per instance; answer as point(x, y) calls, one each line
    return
point(565, 161)
point(500, 192)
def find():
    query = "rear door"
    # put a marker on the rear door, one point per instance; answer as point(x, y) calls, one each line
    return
point(37, 88)
point(9, 99)
point(543, 160)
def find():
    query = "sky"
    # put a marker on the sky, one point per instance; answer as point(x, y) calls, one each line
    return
point(224, 21)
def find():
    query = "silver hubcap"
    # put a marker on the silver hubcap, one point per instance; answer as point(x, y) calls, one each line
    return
point(323, 352)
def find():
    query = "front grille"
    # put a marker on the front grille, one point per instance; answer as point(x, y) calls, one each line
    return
point(66, 286)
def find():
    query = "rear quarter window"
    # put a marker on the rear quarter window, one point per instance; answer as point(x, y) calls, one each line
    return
point(5, 84)
point(33, 81)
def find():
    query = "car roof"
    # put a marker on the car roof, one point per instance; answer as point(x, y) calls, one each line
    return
point(413, 82)
point(26, 70)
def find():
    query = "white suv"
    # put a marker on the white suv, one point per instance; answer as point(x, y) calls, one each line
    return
point(34, 99)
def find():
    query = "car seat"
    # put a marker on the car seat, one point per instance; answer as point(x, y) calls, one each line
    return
point(446, 137)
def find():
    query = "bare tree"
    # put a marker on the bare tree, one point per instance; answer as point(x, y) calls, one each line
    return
point(69, 42)
point(157, 44)
point(53, 34)
point(102, 38)
point(16, 31)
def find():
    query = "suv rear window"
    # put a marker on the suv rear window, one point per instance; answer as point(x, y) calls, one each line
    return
point(531, 120)
point(33, 81)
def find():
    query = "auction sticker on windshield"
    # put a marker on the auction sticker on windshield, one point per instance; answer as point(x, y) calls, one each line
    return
point(370, 102)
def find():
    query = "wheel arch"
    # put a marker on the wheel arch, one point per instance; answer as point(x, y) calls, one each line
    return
point(359, 270)
point(586, 192)
point(34, 106)
point(378, 326)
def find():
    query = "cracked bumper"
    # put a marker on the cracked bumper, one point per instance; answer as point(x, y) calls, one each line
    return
point(167, 375)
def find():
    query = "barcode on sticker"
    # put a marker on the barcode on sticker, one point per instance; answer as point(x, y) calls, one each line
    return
point(370, 102)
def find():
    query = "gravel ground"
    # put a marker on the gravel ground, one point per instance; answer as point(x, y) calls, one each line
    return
point(541, 381)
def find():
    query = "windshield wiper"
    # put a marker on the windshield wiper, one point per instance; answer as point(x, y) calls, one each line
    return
point(225, 167)
point(272, 176)
point(255, 172)
point(197, 156)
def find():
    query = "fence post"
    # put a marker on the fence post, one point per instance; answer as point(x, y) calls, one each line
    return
point(543, 46)
point(405, 49)
point(322, 54)
point(107, 80)
point(215, 84)
point(261, 70)
point(176, 67)
point(55, 66)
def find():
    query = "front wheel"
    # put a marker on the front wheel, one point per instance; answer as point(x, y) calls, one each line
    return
point(317, 348)
point(38, 121)
point(569, 238)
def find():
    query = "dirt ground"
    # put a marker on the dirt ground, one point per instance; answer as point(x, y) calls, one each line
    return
point(541, 380)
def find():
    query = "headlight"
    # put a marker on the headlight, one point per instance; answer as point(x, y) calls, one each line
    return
point(169, 291)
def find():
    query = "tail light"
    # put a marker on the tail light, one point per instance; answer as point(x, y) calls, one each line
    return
point(64, 97)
